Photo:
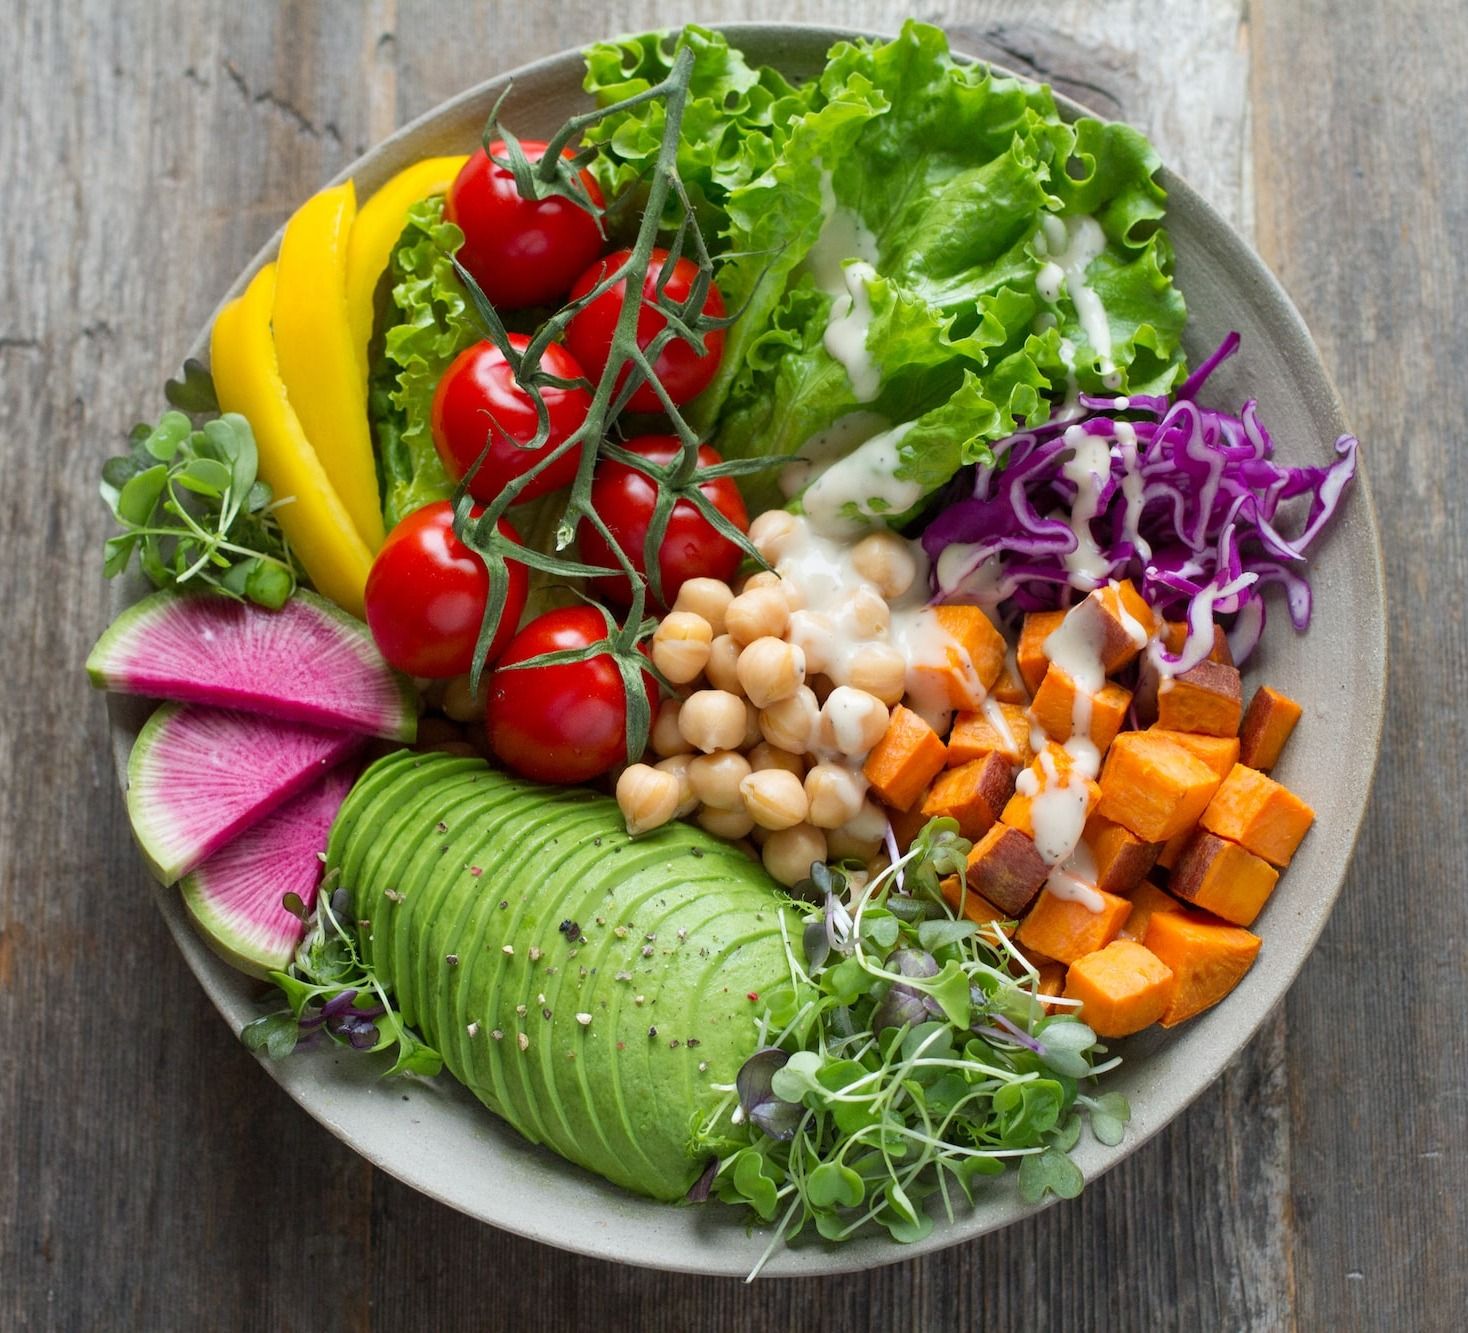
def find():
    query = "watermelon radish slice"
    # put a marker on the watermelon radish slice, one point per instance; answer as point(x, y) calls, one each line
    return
point(235, 897)
point(198, 777)
point(308, 662)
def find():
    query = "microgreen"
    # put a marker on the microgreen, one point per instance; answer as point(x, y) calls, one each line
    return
point(867, 1110)
point(191, 504)
point(329, 989)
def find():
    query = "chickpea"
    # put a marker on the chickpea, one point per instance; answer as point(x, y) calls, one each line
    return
point(730, 824)
point(647, 797)
point(677, 765)
point(765, 756)
point(667, 740)
point(852, 721)
point(790, 724)
point(712, 720)
point(681, 645)
point(770, 670)
point(774, 798)
point(878, 668)
point(772, 532)
point(716, 777)
point(834, 793)
point(884, 559)
point(844, 846)
point(868, 615)
point(788, 853)
point(462, 705)
point(757, 613)
point(708, 598)
point(752, 733)
point(861, 837)
point(811, 632)
point(722, 668)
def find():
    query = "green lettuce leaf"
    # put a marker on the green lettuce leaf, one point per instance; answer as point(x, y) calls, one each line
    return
point(433, 324)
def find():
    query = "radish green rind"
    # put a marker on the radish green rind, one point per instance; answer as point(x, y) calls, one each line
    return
point(609, 1081)
point(308, 662)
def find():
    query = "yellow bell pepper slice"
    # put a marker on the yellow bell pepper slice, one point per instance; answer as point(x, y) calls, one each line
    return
point(247, 380)
point(318, 362)
point(380, 222)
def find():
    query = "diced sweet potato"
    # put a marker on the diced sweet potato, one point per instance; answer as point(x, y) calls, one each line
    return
point(1220, 753)
point(1030, 655)
point(1153, 787)
point(1146, 899)
point(1005, 868)
point(973, 793)
point(978, 732)
point(1052, 984)
point(1123, 988)
point(1208, 958)
point(1259, 814)
point(907, 824)
point(1267, 726)
point(1172, 849)
point(974, 906)
point(1067, 929)
point(1054, 768)
point(1175, 634)
point(1009, 689)
point(1207, 700)
point(972, 661)
point(1223, 878)
point(1054, 708)
point(1118, 621)
point(1122, 859)
point(905, 760)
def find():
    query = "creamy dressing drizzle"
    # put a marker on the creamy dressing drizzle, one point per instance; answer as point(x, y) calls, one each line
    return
point(826, 446)
point(1070, 245)
point(1089, 469)
point(843, 261)
point(867, 480)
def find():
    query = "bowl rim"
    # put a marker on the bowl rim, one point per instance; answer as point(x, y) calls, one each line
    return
point(212, 973)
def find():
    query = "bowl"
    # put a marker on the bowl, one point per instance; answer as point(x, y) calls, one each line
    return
point(441, 1141)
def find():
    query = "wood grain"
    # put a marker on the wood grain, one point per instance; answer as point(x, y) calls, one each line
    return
point(154, 1178)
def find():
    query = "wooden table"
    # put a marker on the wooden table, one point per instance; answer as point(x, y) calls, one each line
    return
point(154, 1178)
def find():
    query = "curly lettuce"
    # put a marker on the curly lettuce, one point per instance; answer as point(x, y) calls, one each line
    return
point(941, 176)
point(432, 322)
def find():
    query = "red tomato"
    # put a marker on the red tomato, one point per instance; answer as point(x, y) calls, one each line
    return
point(564, 723)
point(520, 252)
point(692, 548)
point(478, 398)
point(426, 594)
point(683, 372)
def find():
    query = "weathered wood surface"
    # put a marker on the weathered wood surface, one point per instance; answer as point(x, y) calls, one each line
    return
point(153, 1178)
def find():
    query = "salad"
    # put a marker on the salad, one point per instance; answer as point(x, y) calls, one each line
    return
point(769, 739)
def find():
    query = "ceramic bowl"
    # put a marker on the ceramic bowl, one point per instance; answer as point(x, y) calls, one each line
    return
point(439, 1140)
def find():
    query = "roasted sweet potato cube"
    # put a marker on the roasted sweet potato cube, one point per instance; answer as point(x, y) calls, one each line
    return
point(1117, 621)
point(1030, 655)
point(1207, 700)
point(1050, 773)
point(1208, 959)
point(1220, 753)
point(907, 824)
point(1054, 708)
point(1267, 726)
point(1067, 929)
point(973, 656)
point(1005, 868)
point(1259, 814)
point(1153, 787)
point(973, 793)
point(1122, 988)
point(1009, 689)
point(1146, 899)
point(974, 906)
point(1172, 849)
point(994, 729)
point(1051, 985)
point(1122, 859)
point(1175, 633)
point(1221, 877)
point(905, 760)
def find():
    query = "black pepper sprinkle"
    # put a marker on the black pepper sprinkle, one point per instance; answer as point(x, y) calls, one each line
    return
point(452, 959)
point(692, 1042)
point(442, 827)
point(673, 1045)
point(545, 1014)
point(601, 921)
point(652, 1032)
point(504, 903)
point(647, 951)
point(582, 970)
point(696, 853)
point(570, 929)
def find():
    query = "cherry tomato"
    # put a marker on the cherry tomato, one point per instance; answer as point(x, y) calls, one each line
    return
point(682, 371)
point(564, 723)
point(521, 252)
point(692, 548)
point(426, 594)
point(478, 397)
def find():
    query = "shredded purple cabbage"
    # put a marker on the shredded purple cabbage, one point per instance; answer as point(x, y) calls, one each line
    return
point(1188, 511)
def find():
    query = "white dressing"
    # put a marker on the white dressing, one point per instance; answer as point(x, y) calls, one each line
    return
point(1089, 469)
point(824, 447)
point(847, 328)
point(867, 480)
